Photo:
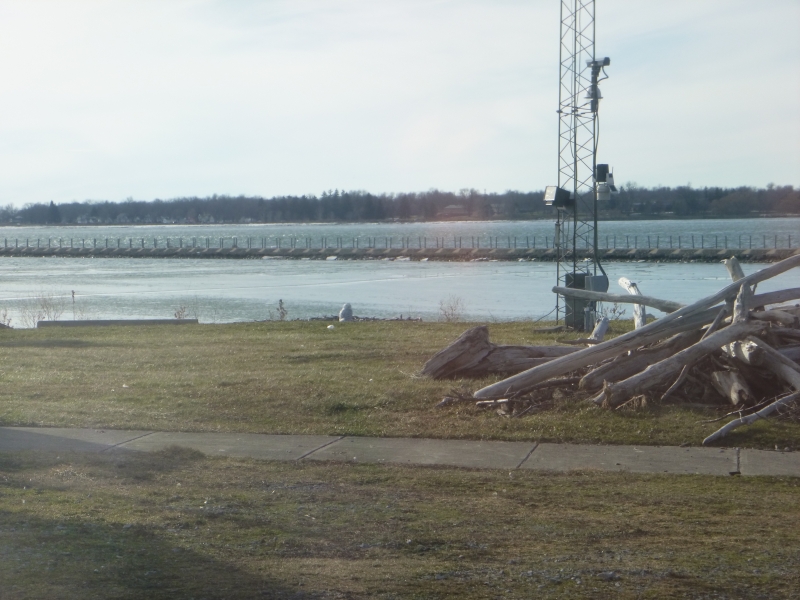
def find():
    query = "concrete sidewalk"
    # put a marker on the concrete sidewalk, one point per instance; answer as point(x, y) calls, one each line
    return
point(451, 453)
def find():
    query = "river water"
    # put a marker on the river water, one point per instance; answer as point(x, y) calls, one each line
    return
point(248, 290)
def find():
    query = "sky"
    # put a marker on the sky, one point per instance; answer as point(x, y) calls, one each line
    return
point(144, 99)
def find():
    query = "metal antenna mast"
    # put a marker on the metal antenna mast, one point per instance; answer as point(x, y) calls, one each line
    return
point(576, 195)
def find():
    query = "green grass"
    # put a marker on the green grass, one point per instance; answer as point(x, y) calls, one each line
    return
point(174, 524)
point(300, 377)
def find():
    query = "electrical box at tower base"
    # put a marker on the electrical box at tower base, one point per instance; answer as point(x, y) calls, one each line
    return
point(579, 313)
point(575, 308)
point(596, 283)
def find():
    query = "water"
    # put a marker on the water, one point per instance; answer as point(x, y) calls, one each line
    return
point(248, 290)
point(732, 233)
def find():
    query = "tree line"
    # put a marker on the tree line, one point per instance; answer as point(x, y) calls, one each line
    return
point(632, 201)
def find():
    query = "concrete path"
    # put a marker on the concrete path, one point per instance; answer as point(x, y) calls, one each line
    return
point(451, 453)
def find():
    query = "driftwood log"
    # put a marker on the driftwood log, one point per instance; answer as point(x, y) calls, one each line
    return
point(666, 306)
point(468, 350)
point(473, 355)
point(761, 414)
point(733, 345)
point(778, 297)
point(754, 352)
point(685, 371)
point(593, 355)
point(597, 335)
point(663, 372)
point(789, 334)
point(627, 365)
point(741, 305)
point(732, 386)
point(734, 268)
point(639, 315)
point(685, 319)
point(757, 353)
point(791, 352)
point(776, 316)
point(600, 329)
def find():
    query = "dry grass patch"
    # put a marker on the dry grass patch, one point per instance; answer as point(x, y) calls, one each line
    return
point(300, 377)
point(177, 525)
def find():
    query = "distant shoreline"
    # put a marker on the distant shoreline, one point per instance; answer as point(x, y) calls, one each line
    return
point(602, 219)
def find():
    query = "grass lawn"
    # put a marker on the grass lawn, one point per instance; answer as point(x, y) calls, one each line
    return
point(175, 524)
point(300, 377)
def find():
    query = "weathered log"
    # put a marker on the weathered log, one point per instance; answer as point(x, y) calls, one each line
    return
point(556, 382)
point(597, 335)
point(563, 381)
point(639, 316)
point(757, 353)
point(770, 338)
point(775, 316)
point(660, 373)
point(682, 376)
point(788, 334)
point(778, 297)
point(637, 361)
point(789, 309)
point(761, 381)
point(666, 306)
point(791, 352)
point(734, 268)
point(754, 278)
point(761, 414)
point(594, 355)
point(467, 351)
point(473, 355)
point(491, 403)
point(508, 360)
point(685, 371)
point(732, 386)
point(716, 323)
point(578, 341)
point(599, 331)
point(680, 320)
point(741, 306)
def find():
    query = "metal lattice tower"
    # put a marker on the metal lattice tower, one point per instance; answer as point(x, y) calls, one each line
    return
point(578, 98)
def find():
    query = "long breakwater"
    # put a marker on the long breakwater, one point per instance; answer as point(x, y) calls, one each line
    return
point(234, 251)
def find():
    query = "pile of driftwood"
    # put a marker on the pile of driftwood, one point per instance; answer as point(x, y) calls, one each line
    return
point(735, 347)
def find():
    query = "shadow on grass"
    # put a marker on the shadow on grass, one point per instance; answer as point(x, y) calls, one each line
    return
point(51, 344)
point(78, 556)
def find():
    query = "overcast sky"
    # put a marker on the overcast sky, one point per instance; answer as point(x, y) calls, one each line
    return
point(166, 98)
